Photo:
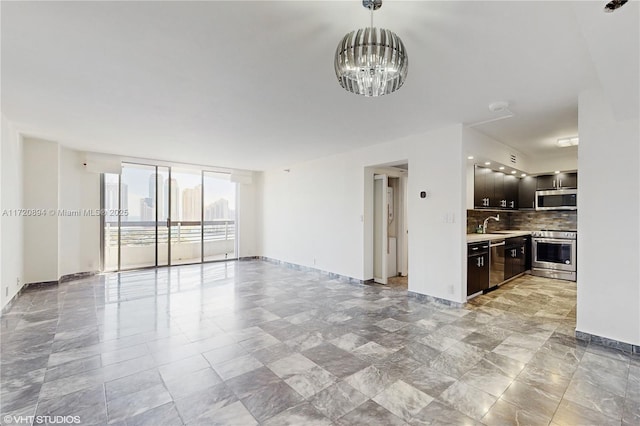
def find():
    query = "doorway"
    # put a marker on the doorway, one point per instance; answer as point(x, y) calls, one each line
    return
point(163, 216)
point(389, 231)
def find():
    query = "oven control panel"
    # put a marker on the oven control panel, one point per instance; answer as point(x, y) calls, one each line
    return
point(566, 235)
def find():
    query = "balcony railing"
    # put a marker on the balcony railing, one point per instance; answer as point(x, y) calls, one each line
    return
point(138, 241)
point(143, 233)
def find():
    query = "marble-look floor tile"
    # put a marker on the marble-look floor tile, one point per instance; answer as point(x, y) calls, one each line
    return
point(569, 413)
point(370, 413)
point(439, 414)
point(312, 381)
point(274, 400)
point(531, 398)
point(349, 341)
point(303, 414)
point(237, 366)
point(488, 379)
point(202, 407)
point(468, 400)
point(136, 403)
point(229, 321)
point(132, 384)
point(87, 404)
point(337, 400)
point(252, 382)
point(429, 381)
point(595, 398)
point(370, 381)
point(190, 383)
point(403, 400)
point(164, 415)
point(291, 365)
point(503, 412)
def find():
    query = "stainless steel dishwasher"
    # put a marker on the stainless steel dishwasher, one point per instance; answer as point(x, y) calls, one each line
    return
point(496, 263)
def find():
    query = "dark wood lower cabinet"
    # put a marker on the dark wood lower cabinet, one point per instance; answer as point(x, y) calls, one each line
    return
point(477, 267)
point(515, 257)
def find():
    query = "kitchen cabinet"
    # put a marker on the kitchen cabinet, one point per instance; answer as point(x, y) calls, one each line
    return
point(527, 193)
point(515, 256)
point(557, 181)
point(511, 191)
point(477, 267)
point(483, 180)
point(494, 189)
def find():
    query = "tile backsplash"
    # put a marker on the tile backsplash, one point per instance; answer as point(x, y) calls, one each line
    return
point(527, 220)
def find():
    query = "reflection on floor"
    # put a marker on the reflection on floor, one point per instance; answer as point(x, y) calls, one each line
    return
point(252, 342)
point(398, 282)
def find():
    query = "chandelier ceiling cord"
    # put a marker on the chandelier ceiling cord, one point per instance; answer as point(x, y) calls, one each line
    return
point(371, 61)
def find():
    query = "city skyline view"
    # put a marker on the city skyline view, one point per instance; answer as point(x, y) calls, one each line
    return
point(138, 195)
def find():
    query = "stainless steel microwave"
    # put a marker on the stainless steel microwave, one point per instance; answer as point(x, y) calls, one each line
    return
point(557, 199)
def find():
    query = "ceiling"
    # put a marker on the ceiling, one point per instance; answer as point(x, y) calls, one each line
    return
point(251, 85)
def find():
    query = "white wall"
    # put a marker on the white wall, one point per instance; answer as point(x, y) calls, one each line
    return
point(40, 192)
point(11, 227)
point(79, 236)
point(249, 217)
point(608, 228)
point(320, 213)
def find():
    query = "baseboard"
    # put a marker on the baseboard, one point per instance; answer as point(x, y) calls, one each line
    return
point(331, 275)
point(609, 343)
point(427, 298)
point(44, 284)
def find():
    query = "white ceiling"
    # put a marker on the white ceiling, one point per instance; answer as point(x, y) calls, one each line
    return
point(251, 84)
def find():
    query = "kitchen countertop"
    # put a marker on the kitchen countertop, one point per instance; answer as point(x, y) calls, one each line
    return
point(474, 238)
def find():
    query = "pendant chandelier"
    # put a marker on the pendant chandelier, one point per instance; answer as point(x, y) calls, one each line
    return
point(371, 61)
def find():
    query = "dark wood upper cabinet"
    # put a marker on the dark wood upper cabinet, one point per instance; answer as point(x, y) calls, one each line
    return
point(557, 181)
point(527, 193)
point(494, 189)
point(511, 191)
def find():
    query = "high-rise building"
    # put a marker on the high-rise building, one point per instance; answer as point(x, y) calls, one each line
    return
point(191, 203)
point(218, 210)
point(175, 191)
point(152, 194)
point(147, 210)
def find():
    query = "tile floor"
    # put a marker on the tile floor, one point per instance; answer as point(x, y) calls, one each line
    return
point(245, 343)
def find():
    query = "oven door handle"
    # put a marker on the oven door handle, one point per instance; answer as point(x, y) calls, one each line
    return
point(548, 240)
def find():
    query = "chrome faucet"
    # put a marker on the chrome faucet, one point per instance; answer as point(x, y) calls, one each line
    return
point(484, 224)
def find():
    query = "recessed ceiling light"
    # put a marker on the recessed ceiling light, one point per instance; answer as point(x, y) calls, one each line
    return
point(486, 163)
point(614, 5)
point(557, 171)
point(513, 172)
point(470, 157)
point(565, 142)
point(501, 167)
point(523, 175)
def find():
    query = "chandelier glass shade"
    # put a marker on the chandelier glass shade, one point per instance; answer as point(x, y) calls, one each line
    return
point(371, 61)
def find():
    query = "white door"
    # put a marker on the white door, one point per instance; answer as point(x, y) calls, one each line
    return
point(380, 228)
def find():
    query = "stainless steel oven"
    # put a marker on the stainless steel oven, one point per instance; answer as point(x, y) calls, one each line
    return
point(553, 254)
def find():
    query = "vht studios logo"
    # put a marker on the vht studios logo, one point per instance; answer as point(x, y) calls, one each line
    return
point(41, 420)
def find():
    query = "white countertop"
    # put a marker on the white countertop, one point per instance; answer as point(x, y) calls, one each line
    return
point(474, 238)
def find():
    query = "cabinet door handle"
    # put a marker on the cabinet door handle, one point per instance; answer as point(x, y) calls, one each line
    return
point(474, 248)
point(554, 183)
point(522, 249)
point(512, 204)
point(560, 183)
point(479, 262)
point(482, 261)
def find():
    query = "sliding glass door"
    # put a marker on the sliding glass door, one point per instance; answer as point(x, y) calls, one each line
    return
point(219, 234)
point(186, 216)
point(171, 216)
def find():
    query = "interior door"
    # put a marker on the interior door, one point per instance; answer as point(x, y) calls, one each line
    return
point(380, 228)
